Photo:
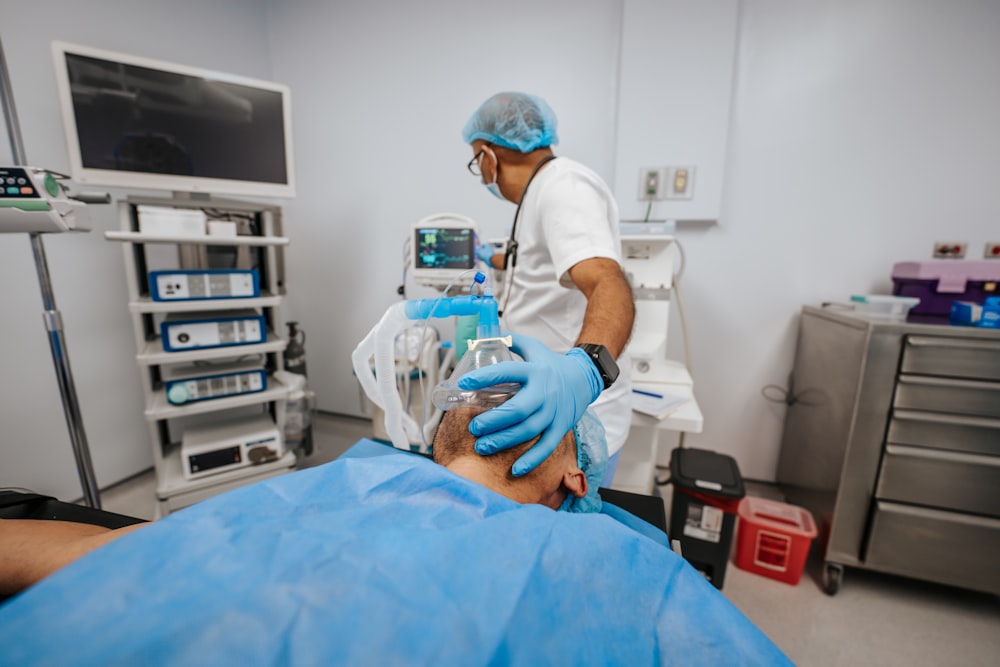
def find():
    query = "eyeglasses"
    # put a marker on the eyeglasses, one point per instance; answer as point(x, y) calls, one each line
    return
point(473, 165)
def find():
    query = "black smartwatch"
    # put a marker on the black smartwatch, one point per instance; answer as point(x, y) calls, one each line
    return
point(605, 363)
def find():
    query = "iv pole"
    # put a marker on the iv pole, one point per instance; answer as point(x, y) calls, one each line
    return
point(51, 316)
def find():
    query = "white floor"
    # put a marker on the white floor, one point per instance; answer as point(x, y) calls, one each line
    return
point(874, 620)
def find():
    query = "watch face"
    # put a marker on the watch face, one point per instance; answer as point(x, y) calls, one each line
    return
point(605, 363)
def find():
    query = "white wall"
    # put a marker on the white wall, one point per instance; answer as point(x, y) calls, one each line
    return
point(87, 271)
point(863, 132)
point(674, 100)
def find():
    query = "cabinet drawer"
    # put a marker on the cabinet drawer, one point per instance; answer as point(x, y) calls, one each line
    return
point(948, 480)
point(975, 435)
point(952, 357)
point(947, 547)
point(960, 397)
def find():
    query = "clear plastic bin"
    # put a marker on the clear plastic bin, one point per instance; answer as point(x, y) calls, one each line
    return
point(884, 305)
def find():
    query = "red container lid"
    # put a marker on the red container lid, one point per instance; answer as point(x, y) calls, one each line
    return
point(782, 517)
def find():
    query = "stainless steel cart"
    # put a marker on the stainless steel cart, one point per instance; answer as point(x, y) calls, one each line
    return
point(892, 439)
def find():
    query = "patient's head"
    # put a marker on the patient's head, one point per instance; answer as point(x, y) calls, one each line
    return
point(548, 484)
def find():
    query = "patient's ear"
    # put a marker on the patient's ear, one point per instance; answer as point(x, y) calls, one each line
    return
point(575, 482)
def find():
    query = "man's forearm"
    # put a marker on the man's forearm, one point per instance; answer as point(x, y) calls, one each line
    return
point(31, 550)
point(610, 314)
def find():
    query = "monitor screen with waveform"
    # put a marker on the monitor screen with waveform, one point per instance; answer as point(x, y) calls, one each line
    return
point(445, 248)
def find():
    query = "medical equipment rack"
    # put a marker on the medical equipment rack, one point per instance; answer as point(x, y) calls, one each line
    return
point(892, 440)
point(648, 261)
point(173, 491)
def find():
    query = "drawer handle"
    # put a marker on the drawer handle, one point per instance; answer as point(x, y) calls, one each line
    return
point(941, 455)
point(924, 341)
point(939, 418)
point(928, 381)
point(891, 508)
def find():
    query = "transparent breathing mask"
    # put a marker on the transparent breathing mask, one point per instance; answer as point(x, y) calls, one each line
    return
point(374, 361)
point(482, 352)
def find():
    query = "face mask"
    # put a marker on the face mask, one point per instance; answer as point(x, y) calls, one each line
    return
point(494, 187)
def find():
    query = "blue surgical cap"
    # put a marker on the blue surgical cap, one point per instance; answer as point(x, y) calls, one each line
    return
point(518, 121)
point(592, 457)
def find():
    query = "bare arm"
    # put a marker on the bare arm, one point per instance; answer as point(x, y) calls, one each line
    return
point(31, 550)
point(610, 307)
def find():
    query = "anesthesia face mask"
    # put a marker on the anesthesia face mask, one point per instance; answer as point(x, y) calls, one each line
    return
point(377, 349)
point(482, 352)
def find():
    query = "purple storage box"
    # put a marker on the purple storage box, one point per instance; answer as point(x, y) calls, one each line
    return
point(938, 284)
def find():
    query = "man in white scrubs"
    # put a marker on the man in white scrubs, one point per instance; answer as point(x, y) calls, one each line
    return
point(564, 286)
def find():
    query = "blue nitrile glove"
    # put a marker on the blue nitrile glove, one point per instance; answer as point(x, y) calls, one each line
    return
point(555, 391)
point(485, 252)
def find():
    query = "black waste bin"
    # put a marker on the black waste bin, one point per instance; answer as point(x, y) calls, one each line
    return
point(707, 492)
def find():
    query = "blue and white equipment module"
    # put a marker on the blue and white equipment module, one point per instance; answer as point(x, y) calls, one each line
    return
point(190, 384)
point(222, 328)
point(183, 285)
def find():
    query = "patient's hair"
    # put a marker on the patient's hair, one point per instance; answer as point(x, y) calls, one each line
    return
point(453, 441)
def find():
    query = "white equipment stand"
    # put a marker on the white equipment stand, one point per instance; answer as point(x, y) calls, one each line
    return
point(647, 256)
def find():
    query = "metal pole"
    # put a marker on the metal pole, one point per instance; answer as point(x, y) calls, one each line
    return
point(9, 112)
point(51, 316)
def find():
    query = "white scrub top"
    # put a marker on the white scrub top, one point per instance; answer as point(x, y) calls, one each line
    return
point(568, 215)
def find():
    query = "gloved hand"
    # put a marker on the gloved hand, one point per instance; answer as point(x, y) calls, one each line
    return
point(485, 252)
point(555, 391)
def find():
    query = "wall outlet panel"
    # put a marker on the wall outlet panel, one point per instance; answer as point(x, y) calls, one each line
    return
point(660, 183)
point(991, 250)
point(949, 250)
point(681, 182)
point(652, 183)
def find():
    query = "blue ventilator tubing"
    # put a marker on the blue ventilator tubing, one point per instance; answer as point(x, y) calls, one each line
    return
point(485, 306)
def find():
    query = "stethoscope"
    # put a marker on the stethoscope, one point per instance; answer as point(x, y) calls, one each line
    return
point(510, 254)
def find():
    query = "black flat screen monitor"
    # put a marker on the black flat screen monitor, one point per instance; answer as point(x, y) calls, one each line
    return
point(138, 123)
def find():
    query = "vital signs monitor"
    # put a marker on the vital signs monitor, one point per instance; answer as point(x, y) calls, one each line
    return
point(442, 248)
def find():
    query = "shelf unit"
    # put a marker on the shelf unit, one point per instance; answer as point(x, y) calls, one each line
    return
point(260, 245)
